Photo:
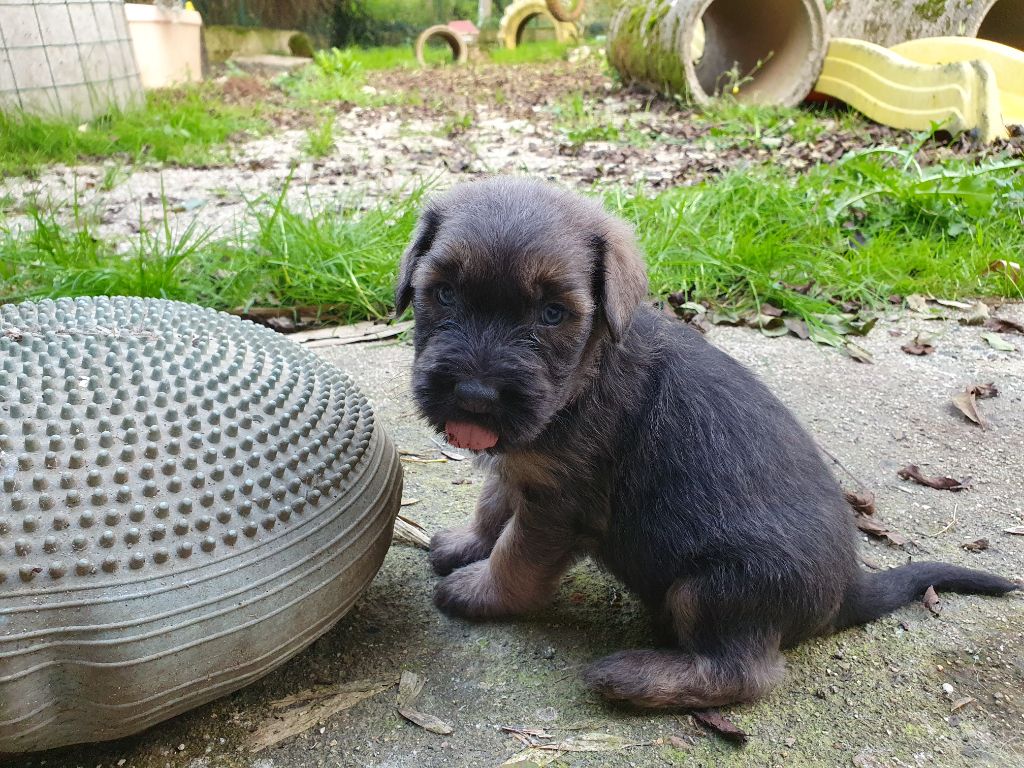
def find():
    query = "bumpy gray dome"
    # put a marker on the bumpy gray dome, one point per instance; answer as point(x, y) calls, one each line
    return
point(186, 501)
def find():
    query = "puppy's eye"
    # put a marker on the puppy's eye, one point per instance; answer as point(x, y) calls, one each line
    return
point(444, 294)
point(553, 314)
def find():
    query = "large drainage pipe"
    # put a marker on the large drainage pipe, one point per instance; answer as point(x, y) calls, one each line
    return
point(760, 52)
point(886, 22)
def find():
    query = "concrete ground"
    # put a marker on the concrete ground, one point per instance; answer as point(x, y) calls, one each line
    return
point(875, 696)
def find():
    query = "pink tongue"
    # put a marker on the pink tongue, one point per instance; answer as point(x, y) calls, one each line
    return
point(470, 436)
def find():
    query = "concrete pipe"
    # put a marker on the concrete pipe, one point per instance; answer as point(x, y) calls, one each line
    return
point(887, 23)
point(521, 12)
point(761, 53)
point(460, 51)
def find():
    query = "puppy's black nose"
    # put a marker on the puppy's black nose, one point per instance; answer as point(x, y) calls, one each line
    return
point(475, 396)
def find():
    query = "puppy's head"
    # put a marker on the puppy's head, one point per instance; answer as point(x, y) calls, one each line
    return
point(512, 280)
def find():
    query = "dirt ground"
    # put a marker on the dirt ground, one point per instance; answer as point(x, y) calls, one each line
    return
point(874, 697)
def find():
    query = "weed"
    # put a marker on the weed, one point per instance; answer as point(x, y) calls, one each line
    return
point(457, 124)
point(320, 139)
point(113, 174)
point(338, 63)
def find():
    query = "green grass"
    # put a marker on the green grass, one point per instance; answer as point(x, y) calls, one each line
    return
point(403, 56)
point(531, 52)
point(338, 76)
point(338, 260)
point(399, 56)
point(870, 226)
point(183, 126)
point(732, 120)
point(320, 139)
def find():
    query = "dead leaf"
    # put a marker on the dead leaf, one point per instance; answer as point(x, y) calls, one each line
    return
point(411, 532)
point(717, 722)
point(678, 742)
point(527, 733)
point(368, 330)
point(913, 472)
point(978, 545)
point(861, 501)
point(545, 754)
point(858, 353)
point(954, 304)
point(770, 309)
point(874, 527)
point(965, 403)
point(982, 391)
point(797, 327)
point(978, 314)
point(921, 345)
point(1017, 530)
point(998, 343)
point(450, 451)
point(775, 331)
point(592, 742)
point(1003, 267)
point(961, 703)
point(932, 602)
point(700, 322)
point(801, 289)
point(917, 303)
point(724, 317)
point(764, 321)
point(1002, 325)
point(315, 706)
point(409, 688)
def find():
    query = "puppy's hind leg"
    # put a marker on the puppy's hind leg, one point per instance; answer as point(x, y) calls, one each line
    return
point(467, 544)
point(741, 667)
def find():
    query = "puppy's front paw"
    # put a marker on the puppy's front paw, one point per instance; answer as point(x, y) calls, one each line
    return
point(455, 548)
point(470, 592)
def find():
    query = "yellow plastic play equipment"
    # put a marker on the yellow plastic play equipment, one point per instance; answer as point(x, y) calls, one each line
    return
point(1007, 63)
point(520, 12)
point(894, 90)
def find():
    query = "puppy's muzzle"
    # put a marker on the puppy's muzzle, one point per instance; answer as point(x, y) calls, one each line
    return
point(474, 396)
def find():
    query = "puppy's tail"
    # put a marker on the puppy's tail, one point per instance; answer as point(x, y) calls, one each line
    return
point(669, 679)
point(876, 594)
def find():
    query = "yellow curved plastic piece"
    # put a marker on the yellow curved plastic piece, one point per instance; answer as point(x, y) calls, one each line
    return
point(519, 12)
point(893, 90)
point(1007, 63)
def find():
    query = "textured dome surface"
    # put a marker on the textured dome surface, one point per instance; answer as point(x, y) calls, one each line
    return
point(186, 501)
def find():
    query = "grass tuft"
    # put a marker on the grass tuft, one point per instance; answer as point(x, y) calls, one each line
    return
point(184, 126)
point(341, 260)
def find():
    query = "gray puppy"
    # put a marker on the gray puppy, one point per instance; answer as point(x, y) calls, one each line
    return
point(616, 433)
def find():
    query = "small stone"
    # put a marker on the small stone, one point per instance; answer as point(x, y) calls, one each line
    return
point(948, 689)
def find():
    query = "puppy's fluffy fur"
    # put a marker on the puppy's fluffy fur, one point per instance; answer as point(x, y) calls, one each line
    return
point(625, 436)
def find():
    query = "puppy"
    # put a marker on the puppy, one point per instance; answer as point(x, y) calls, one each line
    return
point(616, 433)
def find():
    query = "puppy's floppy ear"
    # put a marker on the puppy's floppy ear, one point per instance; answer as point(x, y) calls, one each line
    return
point(620, 275)
point(422, 239)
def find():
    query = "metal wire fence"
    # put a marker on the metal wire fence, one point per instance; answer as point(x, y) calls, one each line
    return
point(71, 58)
